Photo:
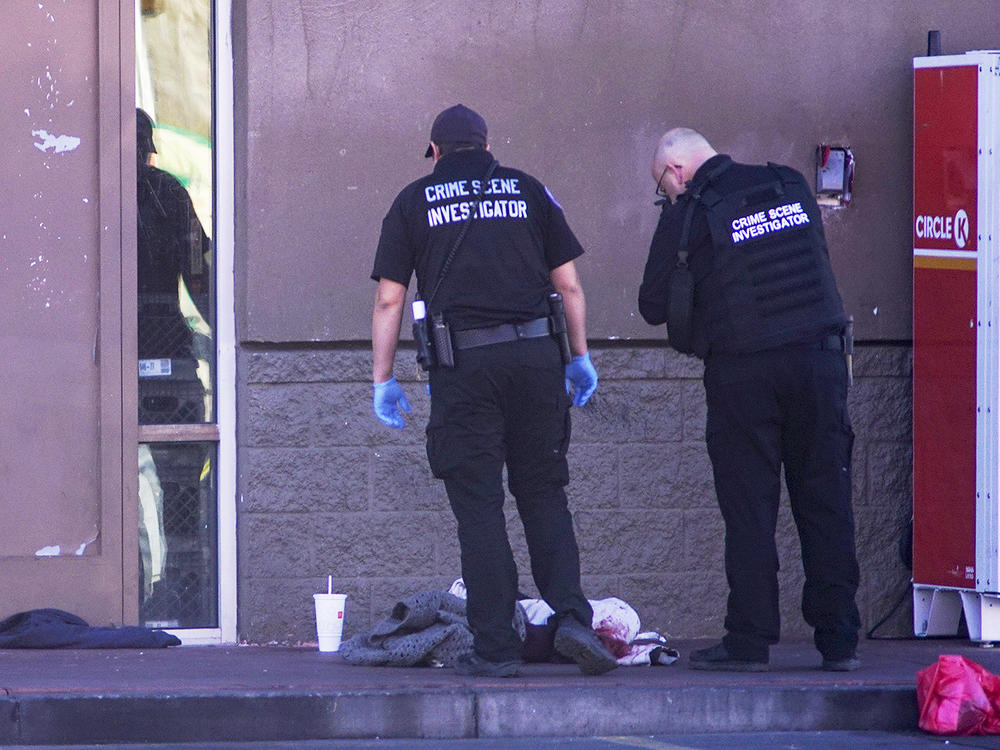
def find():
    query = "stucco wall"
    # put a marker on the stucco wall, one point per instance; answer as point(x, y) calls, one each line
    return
point(336, 102)
point(326, 489)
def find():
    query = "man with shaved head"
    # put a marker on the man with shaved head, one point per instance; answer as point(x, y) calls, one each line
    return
point(679, 153)
point(738, 269)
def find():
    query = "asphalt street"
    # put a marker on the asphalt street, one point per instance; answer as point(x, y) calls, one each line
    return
point(730, 741)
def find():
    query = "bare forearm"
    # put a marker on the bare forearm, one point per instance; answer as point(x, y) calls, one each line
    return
point(384, 338)
point(567, 283)
point(387, 317)
point(576, 321)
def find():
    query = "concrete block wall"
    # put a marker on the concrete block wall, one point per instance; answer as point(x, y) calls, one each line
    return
point(325, 489)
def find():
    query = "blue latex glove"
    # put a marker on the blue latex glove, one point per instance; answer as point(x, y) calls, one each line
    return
point(582, 375)
point(388, 398)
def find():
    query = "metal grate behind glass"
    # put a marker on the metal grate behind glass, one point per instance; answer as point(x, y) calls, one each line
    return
point(179, 512)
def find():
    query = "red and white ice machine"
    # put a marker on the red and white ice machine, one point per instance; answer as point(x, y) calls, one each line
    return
point(956, 346)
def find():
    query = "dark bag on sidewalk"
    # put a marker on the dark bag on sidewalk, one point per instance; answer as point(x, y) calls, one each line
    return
point(54, 628)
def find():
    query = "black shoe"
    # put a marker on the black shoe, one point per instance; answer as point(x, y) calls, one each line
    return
point(718, 658)
point(847, 664)
point(477, 666)
point(581, 644)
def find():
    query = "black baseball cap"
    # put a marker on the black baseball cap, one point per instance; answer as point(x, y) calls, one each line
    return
point(457, 124)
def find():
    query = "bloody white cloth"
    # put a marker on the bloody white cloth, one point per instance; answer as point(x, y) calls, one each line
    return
point(615, 622)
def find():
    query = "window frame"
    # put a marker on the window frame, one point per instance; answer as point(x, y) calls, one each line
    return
point(222, 432)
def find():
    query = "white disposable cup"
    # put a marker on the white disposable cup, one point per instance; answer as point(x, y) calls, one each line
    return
point(329, 620)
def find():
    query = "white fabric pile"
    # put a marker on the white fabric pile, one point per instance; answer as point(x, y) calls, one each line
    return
point(614, 621)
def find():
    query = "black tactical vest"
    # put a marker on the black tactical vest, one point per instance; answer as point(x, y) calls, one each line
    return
point(770, 283)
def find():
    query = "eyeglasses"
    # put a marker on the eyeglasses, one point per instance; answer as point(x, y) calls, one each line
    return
point(660, 192)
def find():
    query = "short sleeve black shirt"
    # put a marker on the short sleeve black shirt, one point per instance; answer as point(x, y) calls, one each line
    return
point(500, 272)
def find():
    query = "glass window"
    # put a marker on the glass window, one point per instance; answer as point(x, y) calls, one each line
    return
point(174, 196)
point(178, 504)
point(178, 529)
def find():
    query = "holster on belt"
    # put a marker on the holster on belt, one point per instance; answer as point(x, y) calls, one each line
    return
point(558, 327)
point(425, 347)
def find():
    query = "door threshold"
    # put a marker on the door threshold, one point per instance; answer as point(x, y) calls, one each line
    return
point(198, 636)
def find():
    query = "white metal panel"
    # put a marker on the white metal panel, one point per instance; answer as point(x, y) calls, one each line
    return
point(982, 615)
point(936, 611)
point(225, 191)
point(944, 61)
point(988, 332)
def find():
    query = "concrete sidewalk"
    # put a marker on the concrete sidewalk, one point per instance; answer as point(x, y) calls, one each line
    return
point(253, 693)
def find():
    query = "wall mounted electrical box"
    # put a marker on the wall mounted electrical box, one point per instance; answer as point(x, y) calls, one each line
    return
point(834, 175)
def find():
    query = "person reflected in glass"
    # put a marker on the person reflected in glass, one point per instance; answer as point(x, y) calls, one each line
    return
point(172, 277)
point(173, 349)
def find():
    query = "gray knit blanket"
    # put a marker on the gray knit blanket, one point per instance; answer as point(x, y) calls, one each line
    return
point(427, 629)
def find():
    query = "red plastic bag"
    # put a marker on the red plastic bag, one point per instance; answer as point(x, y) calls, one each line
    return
point(957, 696)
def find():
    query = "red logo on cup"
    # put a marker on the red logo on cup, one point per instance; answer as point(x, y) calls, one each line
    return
point(340, 615)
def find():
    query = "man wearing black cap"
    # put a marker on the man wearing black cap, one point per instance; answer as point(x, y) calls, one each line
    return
point(489, 245)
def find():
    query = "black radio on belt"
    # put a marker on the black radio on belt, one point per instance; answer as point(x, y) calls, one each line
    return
point(441, 336)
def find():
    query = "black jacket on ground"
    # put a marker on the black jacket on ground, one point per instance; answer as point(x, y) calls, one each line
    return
point(54, 628)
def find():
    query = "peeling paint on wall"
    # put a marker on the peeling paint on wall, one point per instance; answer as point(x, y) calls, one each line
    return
point(58, 143)
point(56, 550)
point(83, 545)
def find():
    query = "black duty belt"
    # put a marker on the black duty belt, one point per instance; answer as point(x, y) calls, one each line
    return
point(473, 337)
point(834, 342)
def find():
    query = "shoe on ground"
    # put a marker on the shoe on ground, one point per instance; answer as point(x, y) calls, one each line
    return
point(718, 658)
point(476, 666)
point(847, 664)
point(581, 644)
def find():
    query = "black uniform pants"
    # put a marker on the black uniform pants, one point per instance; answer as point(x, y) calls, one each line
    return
point(507, 403)
point(768, 409)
